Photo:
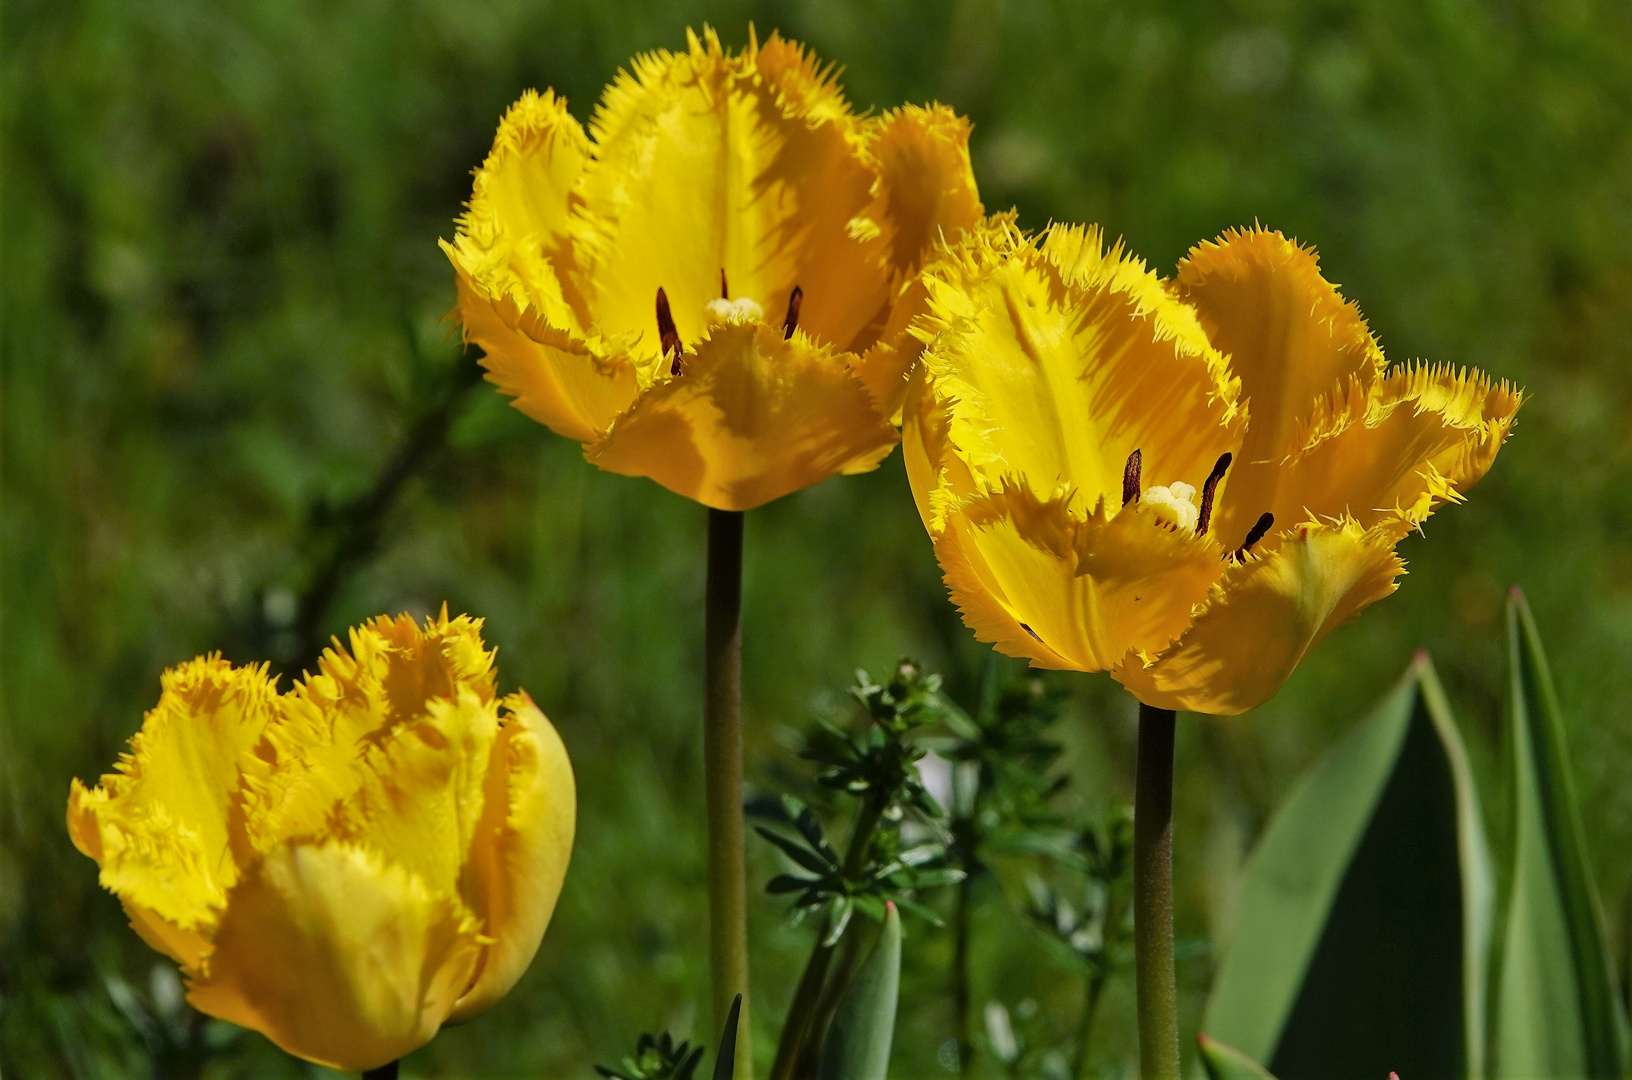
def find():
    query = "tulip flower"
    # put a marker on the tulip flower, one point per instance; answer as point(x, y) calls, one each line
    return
point(347, 866)
point(712, 287)
point(1186, 483)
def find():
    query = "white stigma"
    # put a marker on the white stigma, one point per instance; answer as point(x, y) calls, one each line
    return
point(1174, 505)
point(742, 309)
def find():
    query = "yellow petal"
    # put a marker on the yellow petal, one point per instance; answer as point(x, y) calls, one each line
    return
point(938, 478)
point(923, 161)
point(932, 197)
point(525, 183)
point(395, 727)
point(752, 418)
point(751, 164)
point(888, 363)
point(186, 947)
point(520, 851)
point(1262, 619)
point(1290, 338)
point(1415, 440)
point(1057, 359)
point(574, 386)
point(165, 827)
point(520, 297)
point(1040, 582)
point(420, 793)
point(338, 957)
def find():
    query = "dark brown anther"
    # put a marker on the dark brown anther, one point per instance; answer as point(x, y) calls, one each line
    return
point(1130, 478)
point(725, 290)
point(791, 323)
point(1208, 490)
point(668, 337)
point(1256, 533)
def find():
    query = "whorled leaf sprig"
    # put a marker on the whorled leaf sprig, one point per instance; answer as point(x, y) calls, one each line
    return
point(877, 765)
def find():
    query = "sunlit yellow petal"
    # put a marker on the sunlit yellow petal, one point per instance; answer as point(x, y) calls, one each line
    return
point(574, 386)
point(749, 164)
point(421, 785)
point(1262, 619)
point(520, 850)
point(753, 417)
point(519, 294)
point(164, 827)
point(1057, 359)
point(525, 183)
point(1414, 440)
point(1040, 582)
point(923, 162)
point(1290, 338)
point(338, 957)
point(408, 697)
point(926, 429)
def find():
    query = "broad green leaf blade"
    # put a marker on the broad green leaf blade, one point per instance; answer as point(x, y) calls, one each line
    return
point(1557, 1012)
point(858, 1043)
point(1366, 908)
point(1225, 1062)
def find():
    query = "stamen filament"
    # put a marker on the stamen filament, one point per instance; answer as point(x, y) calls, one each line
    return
point(668, 337)
point(1209, 489)
point(1256, 533)
point(791, 323)
point(1130, 478)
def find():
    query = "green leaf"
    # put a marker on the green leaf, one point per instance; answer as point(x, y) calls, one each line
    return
point(1557, 1012)
point(1225, 1062)
point(725, 1062)
point(1366, 909)
point(858, 1043)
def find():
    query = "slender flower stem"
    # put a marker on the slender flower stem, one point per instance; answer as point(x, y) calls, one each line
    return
point(1155, 980)
point(722, 764)
point(384, 1072)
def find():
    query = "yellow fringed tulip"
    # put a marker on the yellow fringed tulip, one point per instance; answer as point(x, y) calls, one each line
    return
point(712, 287)
point(347, 866)
point(1185, 483)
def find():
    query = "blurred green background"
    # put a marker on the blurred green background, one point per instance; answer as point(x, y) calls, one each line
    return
point(222, 327)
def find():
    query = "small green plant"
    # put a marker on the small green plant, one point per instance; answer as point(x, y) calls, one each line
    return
point(657, 1057)
point(873, 761)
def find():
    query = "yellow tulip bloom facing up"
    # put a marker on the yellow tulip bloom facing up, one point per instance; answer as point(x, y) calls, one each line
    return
point(347, 866)
point(1186, 483)
point(711, 287)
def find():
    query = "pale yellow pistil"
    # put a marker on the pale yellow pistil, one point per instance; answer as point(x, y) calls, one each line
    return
point(744, 309)
point(1174, 505)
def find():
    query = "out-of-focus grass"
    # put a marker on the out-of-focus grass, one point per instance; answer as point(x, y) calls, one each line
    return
point(222, 298)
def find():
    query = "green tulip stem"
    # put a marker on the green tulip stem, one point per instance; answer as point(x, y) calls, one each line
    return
point(722, 766)
point(1156, 986)
point(384, 1072)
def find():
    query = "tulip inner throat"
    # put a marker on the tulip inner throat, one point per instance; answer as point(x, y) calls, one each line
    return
point(720, 312)
point(1174, 504)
